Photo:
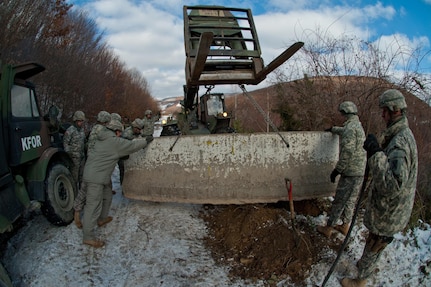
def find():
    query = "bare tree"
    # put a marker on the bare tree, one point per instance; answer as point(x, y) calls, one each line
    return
point(347, 68)
point(82, 72)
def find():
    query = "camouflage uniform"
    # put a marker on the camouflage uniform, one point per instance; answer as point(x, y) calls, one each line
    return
point(392, 191)
point(102, 118)
point(92, 138)
point(74, 145)
point(116, 116)
point(351, 166)
point(148, 124)
point(97, 174)
point(79, 202)
point(393, 166)
point(134, 130)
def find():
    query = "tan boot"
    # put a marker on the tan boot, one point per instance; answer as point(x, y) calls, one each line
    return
point(104, 221)
point(77, 219)
point(94, 243)
point(343, 228)
point(349, 282)
point(328, 231)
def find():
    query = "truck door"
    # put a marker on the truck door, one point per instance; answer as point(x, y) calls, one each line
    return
point(28, 131)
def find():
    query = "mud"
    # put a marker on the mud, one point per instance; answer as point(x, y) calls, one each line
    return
point(262, 242)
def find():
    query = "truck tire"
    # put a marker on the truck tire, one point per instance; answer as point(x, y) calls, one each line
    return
point(60, 191)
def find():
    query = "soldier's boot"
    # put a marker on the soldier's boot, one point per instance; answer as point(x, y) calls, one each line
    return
point(349, 282)
point(105, 221)
point(94, 243)
point(343, 228)
point(328, 231)
point(77, 219)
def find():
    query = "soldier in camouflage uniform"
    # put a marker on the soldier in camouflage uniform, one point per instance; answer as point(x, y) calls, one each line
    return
point(117, 117)
point(74, 145)
point(393, 167)
point(149, 121)
point(351, 167)
point(134, 131)
point(101, 162)
point(103, 118)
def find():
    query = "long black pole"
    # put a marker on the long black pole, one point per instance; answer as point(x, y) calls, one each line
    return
point(355, 215)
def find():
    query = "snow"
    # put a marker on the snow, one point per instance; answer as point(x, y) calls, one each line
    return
point(160, 244)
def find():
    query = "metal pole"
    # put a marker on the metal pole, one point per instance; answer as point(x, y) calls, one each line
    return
point(265, 116)
point(355, 214)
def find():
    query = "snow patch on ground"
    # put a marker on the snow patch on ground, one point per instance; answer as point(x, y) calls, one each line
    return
point(147, 244)
point(160, 244)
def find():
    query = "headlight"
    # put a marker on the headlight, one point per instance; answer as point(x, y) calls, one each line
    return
point(225, 114)
point(164, 122)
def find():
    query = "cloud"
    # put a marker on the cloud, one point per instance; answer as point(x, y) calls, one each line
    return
point(148, 35)
point(146, 38)
point(328, 21)
point(400, 47)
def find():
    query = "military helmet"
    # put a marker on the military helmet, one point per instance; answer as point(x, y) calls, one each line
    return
point(115, 116)
point(79, 116)
point(103, 117)
point(348, 108)
point(138, 123)
point(115, 125)
point(393, 100)
point(148, 112)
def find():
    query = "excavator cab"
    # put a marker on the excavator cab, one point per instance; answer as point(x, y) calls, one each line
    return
point(208, 116)
point(213, 113)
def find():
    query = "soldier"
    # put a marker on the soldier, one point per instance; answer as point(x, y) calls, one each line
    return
point(117, 117)
point(393, 167)
point(52, 118)
point(74, 145)
point(131, 132)
point(135, 129)
point(149, 121)
point(351, 167)
point(103, 119)
point(54, 125)
point(101, 162)
point(118, 172)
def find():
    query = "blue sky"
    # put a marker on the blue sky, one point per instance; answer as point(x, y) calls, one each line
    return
point(148, 35)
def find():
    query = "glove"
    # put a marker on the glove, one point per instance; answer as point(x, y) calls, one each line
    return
point(334, 174)
point(149, 139)
point(371, 145)
point(328, 129)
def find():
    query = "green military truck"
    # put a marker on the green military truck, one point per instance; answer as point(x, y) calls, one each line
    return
point(34, 166)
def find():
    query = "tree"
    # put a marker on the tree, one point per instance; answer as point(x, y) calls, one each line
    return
point(82, 72)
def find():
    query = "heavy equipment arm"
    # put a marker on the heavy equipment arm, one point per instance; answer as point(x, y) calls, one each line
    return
point(222, 47)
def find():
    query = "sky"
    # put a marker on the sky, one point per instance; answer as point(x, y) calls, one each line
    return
point(148, 35)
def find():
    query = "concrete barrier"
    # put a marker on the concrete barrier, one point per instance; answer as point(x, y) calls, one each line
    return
point(232, 168)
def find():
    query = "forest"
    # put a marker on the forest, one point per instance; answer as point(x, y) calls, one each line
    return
point(82, 72)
